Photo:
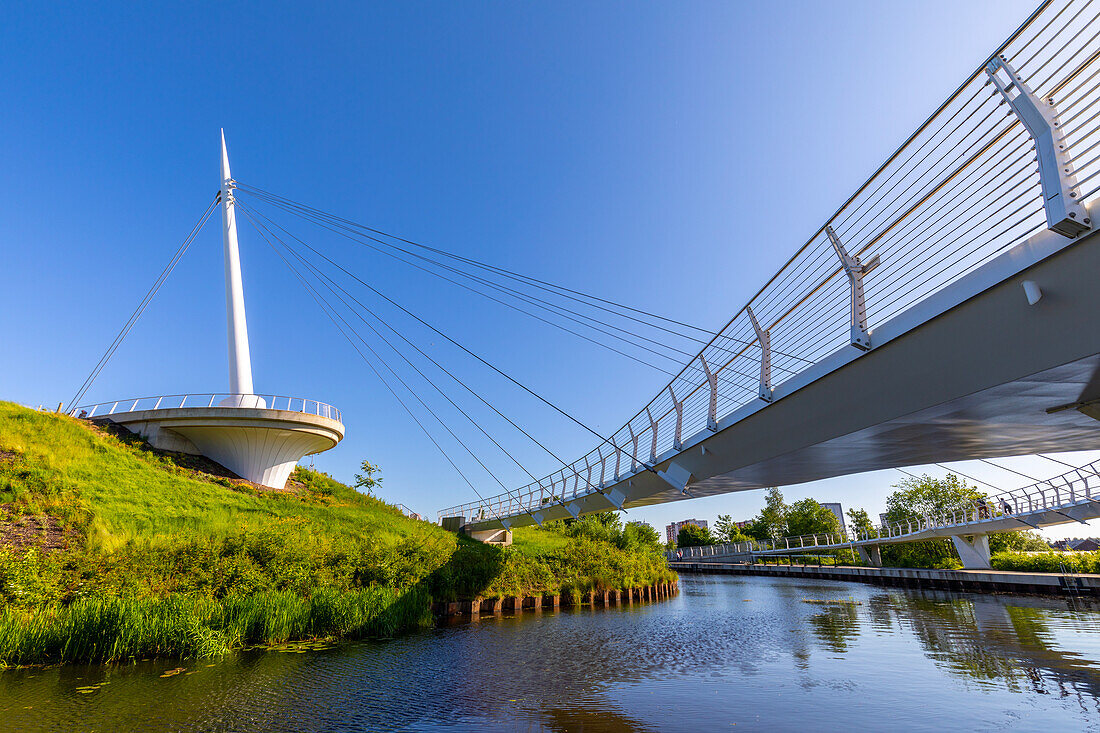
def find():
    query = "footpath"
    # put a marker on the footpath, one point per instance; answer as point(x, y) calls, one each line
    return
point(979, 581)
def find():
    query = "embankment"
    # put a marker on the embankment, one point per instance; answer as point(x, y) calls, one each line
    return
point(111, 550)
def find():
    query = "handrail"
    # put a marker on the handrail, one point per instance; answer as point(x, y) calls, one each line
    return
point(961, 190)
point(212, 400)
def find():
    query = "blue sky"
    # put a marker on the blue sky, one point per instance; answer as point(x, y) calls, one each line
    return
point(666, 155)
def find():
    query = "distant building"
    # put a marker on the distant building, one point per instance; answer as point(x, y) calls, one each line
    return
point(742, 525)
point(1090, 544)
point(672, 531)
point(838, 510)
point(882, 519)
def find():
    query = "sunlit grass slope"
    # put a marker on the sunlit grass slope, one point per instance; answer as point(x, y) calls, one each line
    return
point(163, 556)
point(121, 492)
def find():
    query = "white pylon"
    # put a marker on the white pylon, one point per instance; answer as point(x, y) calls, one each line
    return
point(240, 362)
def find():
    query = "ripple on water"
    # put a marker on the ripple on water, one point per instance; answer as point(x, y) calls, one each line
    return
point(726, 650)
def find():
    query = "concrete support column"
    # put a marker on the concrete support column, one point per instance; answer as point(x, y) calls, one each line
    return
point(973, 551)
point(871, 555)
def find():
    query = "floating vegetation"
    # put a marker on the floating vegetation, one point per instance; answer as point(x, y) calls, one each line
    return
point(89, 689)
point(174, 672)
point(833, 601)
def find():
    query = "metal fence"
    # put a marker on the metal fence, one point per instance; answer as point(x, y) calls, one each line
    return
point(962, 189)
point(211, 400)
point(1052, 495)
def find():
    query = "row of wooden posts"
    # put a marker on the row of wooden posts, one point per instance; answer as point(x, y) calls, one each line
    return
point(517, 604)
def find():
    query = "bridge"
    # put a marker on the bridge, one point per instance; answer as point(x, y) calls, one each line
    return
point(1071, 497)
point(945, 312)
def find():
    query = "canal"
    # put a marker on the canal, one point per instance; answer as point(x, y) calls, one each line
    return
point(728, 653)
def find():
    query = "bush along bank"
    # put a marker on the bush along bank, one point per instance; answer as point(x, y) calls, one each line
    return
point(111, 551)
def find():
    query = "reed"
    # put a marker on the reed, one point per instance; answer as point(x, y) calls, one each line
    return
point(112, 629)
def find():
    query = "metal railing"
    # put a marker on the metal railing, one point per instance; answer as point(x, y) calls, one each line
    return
point(211, 400)
point(1052, 495)
point(962, 189)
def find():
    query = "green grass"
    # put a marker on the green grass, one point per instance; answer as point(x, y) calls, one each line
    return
point(125, 493)
point(533, 542)
point(169, 560)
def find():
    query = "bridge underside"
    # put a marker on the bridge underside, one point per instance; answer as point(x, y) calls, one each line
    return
point(1006, 420)
point(971, 372)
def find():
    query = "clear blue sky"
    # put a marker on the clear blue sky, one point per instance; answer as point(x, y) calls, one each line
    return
point(666, 155)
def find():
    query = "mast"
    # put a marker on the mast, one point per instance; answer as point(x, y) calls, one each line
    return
point(240, 362)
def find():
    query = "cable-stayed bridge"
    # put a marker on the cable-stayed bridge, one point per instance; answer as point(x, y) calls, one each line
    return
point(945, 312)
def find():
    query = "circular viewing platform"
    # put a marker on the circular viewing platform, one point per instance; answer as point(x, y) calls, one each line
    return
point(258, 437)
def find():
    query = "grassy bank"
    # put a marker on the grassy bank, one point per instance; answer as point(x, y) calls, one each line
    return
point(110, 550)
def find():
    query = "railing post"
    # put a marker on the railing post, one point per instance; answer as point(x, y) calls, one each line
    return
point(712, 407)
point(653, 428)
point(618, 456)
point(1065, 214)
point(765, 340)
point(679, 406)
point(157, 406)
point(855, 270)
point(634, 454)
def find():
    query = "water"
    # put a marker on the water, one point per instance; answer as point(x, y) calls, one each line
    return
point(727, 653)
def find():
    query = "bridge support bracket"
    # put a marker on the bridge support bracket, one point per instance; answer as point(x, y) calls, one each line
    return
point(614, 497)
point(856, 270)
point(538, 517)
point(1065, 214)
point(973, 551)
point(677, 477)
point(573, 511)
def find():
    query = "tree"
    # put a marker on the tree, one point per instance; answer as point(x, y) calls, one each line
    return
point(861, 523)
point(693, 536)
point(639, 535)
point(604, 526)
point(366, 482)
point(771, 523)
point(726, 530)
point(1017, 542)
point(918, 497)
point(724, 527)
point(808, 517)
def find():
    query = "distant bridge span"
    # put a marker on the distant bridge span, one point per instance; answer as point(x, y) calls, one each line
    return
point(948, 311)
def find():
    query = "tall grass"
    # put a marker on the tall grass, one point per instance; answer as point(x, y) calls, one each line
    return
point(115, 629)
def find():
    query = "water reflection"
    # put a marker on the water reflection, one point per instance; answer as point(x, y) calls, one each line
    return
point(1010, 640)
point(744, 651)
